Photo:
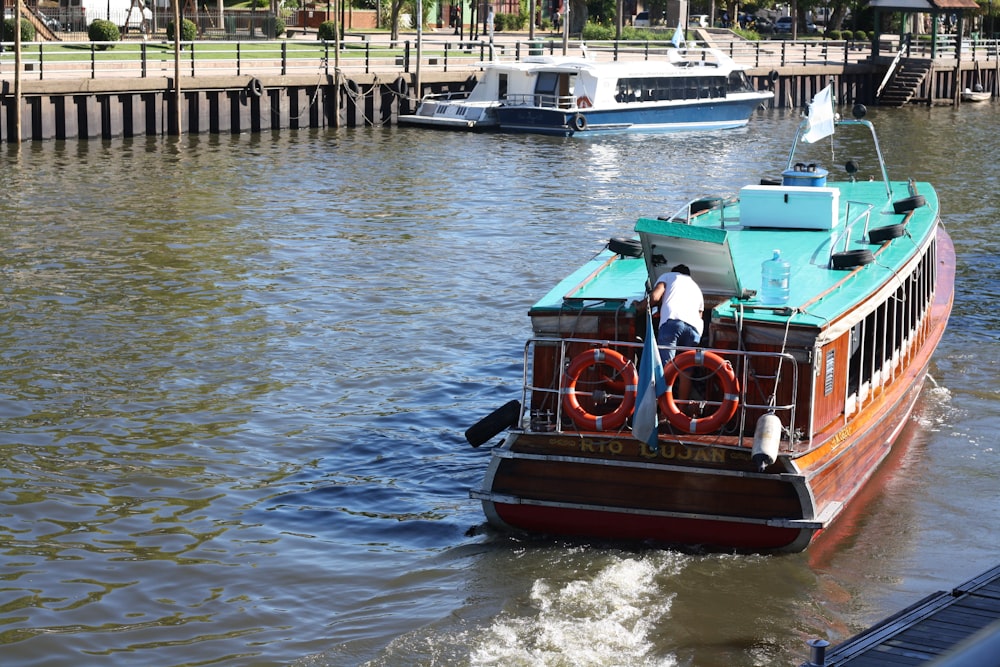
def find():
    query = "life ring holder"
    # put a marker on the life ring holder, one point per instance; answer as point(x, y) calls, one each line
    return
point(583, 102)
point(579, 122)
point(255, 88)
point(718, 367)
point(571, 404)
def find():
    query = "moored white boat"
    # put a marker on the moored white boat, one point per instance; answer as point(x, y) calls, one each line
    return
point(978, 95)
point(476, 109)
point(689, 89)
point(798, 389)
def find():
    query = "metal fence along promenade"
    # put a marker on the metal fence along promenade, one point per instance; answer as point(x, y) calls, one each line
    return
point(378, 54)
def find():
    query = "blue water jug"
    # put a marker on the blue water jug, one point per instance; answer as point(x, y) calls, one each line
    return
point(774, 280)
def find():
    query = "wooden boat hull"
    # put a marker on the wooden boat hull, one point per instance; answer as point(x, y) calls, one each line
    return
point(704, 491)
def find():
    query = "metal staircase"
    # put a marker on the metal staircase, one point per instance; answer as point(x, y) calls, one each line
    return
point(907, 77)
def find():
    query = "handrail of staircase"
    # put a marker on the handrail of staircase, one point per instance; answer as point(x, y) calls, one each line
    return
point(904, 48)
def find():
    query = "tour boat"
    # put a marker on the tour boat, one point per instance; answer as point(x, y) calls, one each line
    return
point(689, 89)
point(476, 109)
point(825, 298)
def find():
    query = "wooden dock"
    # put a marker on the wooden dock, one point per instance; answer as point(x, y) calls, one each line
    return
point(957, 628)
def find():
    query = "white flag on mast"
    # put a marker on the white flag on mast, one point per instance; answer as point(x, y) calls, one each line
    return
point(820, 116)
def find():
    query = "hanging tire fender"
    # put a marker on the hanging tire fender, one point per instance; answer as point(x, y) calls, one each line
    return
point(255, 88)
point(506, 416)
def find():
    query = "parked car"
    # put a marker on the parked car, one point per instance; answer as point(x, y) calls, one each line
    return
point(699, 21)
point(784, 24)
point(641, 20)
point(761, 24)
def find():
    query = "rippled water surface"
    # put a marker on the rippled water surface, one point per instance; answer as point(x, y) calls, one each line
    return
point(236, 373)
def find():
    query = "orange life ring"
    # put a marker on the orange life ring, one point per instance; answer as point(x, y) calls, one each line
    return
point(583, 102)
point(720, 368)
point(581, 362)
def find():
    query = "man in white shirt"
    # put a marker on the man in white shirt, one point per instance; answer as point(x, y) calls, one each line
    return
point(681, 307)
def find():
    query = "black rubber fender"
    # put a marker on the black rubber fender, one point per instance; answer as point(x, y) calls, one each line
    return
point(887, 233)
point(400, 86)
point(850, 259)
point(352, 87)
point(579, 122)
point(908, 204)
point(625, 247)
point(506, 416)
point(255, 88)
point(706, 204)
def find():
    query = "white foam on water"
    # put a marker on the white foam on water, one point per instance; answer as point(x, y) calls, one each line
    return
point(603, 618)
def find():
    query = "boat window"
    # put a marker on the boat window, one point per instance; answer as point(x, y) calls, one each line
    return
point(739, 83)
point(887, 335)
point(502, 86)
point(646, 89)
point(546, 88)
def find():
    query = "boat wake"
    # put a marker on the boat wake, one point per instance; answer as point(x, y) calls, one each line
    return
point(604, 618)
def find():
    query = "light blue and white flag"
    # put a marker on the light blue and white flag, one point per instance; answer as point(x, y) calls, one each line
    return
point(651, 387)
point(820, 116)
point(678, 40)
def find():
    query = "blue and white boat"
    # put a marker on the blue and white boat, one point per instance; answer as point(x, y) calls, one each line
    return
point(476, 109)
point(692, 89)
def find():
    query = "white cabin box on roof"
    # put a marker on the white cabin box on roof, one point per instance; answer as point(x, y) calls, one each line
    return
point(789, 206)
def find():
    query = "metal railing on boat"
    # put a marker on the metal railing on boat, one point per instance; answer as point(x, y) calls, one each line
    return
point(756, 390)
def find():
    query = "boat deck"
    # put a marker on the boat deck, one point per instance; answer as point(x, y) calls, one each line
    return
point(929, 629)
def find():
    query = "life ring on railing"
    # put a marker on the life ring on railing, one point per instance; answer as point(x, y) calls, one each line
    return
point(255, 88)
point(579, 122)
point(718, 367)
point(571, 404)
point(583, 102)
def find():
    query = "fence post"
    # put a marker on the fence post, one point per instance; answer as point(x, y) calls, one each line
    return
point(239, 60)
point(284, 57)
point(93, 61)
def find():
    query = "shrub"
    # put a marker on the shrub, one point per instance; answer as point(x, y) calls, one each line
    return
point(279, 27)
point(861, 35)
point(7, 31)
point(327, 31)
point(598, 33)
point(751, 35)
point(510, 21)
point(189, 31)
point(103, 31)
point(835, 35)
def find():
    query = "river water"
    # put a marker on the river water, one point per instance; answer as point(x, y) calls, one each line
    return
point(237, 371)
